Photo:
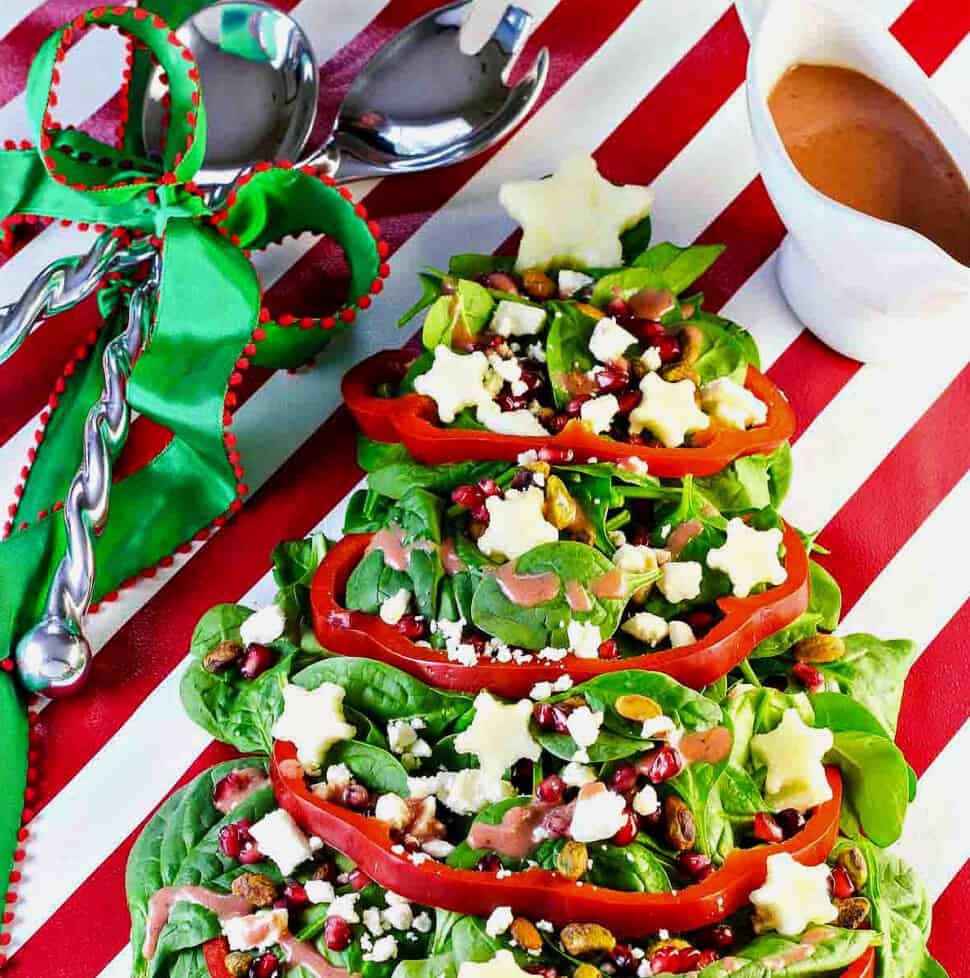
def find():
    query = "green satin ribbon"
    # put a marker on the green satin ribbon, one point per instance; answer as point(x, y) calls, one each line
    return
point(207, 317)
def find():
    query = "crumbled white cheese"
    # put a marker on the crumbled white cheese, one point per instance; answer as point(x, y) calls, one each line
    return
point(468, 792)
point(646, 627)
point(681, 634)
point(667, 410)
point(518, 422)
point(509, 370)
point(455, 381)
point(541, 691)
point(792, 897)
point(517, 319)
point(263, 626)
point(256, 931)
point(610, 340)
point(423, 922)
point(584, 727)
point(571, 282)
point(564, 682)
point(680, 580)
point(792, 754)
point(313, 719)
point(732, 404)
point(438, 848)
point(635, 558)
point(392, 809)
point(400, 735)
point(749, 557)
point(373, 922)
point(584, 639)
point(384, 949)
point(651, 358)
point(423, 787)
point(394, 608)
point(575, 775)
point(536, 351)
point(499, 921)
point(599, 814)
point(338, 775)
point(599, 412)
point(645, 801)
point(400, 916)
point(345, 907)
point(657, 727)
point(516, 524)
point(279, 838)
point(498, 735)
point(319, 891)
point(574, 217)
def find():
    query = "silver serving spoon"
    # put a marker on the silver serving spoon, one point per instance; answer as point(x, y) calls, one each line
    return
point(418, 103)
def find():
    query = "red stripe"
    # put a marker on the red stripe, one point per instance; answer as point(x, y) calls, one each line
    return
point(930, 30)
point(951, 933)
point(944, 664)
point(65, 948)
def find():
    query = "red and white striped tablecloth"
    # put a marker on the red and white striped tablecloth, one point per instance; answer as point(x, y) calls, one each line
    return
point(654, 90)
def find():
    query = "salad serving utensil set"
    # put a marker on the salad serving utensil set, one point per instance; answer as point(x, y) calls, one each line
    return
point(420, 103)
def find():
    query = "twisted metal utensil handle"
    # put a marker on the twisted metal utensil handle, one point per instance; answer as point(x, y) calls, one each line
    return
point(54, 656)
point(63, 284)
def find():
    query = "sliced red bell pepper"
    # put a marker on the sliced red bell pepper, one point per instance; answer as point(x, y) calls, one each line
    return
point(413, 421)
point(746, 622)
point(542, 893)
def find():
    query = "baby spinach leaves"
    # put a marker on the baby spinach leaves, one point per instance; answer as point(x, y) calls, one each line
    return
point(633, 868)
point(373, 766)
point(752, 482)
point(294, 564)
point(546, 624)
point(468, 308)
point(567, 347)
point(679, 267)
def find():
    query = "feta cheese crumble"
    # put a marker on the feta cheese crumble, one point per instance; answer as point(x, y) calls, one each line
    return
point(263, 626)
point(279, 838)
point(571, 282)
point(499, 921)
point(610, 340)
point(394, 608)
point(584, 639)
point(680, 580)
point(599, 412)
point(733, 405)
point(599, 813)
point(517, 319)
point(584, 727)
point(646, 627)
point(256, 931)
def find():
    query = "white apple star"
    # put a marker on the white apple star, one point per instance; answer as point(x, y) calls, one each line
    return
point(749, 557)
point(667, 410)
point(574, 218)
point(499, 735)
point(454, 381)
point(792, 754)
point(792, 897)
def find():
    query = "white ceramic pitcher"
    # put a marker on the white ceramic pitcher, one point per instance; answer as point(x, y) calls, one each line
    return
point(866, 287)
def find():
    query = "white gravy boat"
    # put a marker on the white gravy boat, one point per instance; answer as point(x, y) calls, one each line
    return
point(862, 285)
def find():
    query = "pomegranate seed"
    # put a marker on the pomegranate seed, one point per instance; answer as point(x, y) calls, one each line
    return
point(489, 487)
point(573, 407)
point(412, 627)
point(668, 347)
point(489, 863)
point(842, 885)
point(695, 864)
point(265, 966)
point(556, 822)
point(687, 959)
point(511, 402)
point(622, 958)
point(665, 959)
point(767, 829)
point(476, 641)
point(228, 789)
point(550, 789)
point(638, 535)
point(808, 676)
point(230, 841)
point(612, 378)
point(791, 821)
point(617, 308)
point(543, 970)
point(623, 779)
point(608, 649)
point(660, 764)
point(481, 514)
point(720, 936)
point(544, 716)
point(699, 621)
point(250, 854)
point(557, 422)
point(337, 934)
point(628, 400)
point(628, 831)
point(356, 796)
point(560, 714)
point(533, 381)
point(501, 282)
point(648, 331)
point(556, 456)
point(295, 895)
point(358, 879)
point(707, 957)
point(256, 661)
point(470, 497)
point(521, 480)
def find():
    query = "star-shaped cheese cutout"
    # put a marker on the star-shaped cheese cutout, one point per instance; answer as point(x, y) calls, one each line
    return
point(499, 735)
point(732, 404)
point(792, 897)
point(574, 218)
point(454, 381)
point(667, 410)
point(749, 557)
point(503, 965)
point(792, 754)
point(516, 524)
point(313, 719)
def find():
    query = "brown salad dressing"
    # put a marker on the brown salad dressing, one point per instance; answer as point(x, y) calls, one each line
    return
point(860, 144)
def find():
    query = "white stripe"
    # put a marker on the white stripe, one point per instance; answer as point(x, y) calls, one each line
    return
point(935, 838)
point(927, 577)
point(120, 966)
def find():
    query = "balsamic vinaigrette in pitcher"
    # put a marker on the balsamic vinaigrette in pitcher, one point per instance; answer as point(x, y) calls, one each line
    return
point(860, 144)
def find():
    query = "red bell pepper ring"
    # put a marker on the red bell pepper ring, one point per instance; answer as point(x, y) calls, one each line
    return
point(543, 893)
point(746, 622)
point(413, 420)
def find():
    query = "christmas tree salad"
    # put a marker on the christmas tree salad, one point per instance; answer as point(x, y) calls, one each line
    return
point(590, 344)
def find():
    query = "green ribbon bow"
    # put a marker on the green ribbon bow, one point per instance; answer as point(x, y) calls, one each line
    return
point(208, 329)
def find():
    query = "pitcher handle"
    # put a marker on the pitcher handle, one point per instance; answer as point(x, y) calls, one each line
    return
point(751, 12)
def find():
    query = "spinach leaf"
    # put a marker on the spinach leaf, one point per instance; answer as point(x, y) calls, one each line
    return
point(679, 266)
point(372, 582)
point(295, 563)
point(474, 266)
point(471, 942)
point(636, 239)
point(219, 624)
point(421, 364)
point(633, 868)
point(626, 282)
point(752, 482)
point(469, 307)
point(180, 845)
point(567, 347)
point(822, 614)
point(464, 856)
point(366, 512)
point(431, 282)
point(384, 693)
point(547, 624)
point(873, 671)
point(726, 351)
point(418, 513)
point(373, 766)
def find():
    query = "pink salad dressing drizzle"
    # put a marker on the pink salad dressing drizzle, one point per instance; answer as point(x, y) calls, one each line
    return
point(224, 905)
point(397, 554)
point(526, 590)
point(707, 746)
point(800, 952)
point(577, 597)
point(301, 953)
point(611, 585)
point(452, 563)
point(521, 829)
point(818, 934)
point(681, 535)
point(651, 303)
